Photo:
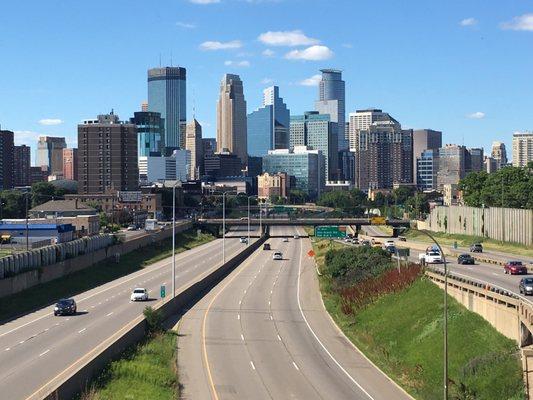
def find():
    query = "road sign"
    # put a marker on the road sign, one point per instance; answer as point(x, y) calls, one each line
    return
point(403, 252)
point(378, 221)
point(163, 291)
point(311, 253)
point(330, 231)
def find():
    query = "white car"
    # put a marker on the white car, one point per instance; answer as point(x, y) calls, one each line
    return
point(277, 256)
point(285, 240)
point(388, 243)
point(296, 237)
point(244, 239)
point(139, 294)
point(431, 257)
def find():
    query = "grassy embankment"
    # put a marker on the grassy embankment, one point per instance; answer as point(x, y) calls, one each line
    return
point(81, 281)
point(402, 333)
point(146, 371)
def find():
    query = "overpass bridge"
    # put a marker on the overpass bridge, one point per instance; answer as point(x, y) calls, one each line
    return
point(301, 222)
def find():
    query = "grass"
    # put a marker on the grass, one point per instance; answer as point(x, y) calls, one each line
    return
point(403, 334)
point(41, 295)
point(466, 241)
point(146, 371)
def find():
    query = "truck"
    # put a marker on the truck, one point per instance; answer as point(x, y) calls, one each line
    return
point(150, 225)
point(431, 256)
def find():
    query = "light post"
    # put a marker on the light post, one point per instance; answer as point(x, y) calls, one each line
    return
point(174, 239)
point(260, 224)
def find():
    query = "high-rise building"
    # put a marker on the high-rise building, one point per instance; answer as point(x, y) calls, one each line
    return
point(304, 164)
point(361, 120)
point(268, 126)
point(70, 164)
point(38, 174)
point(490, 165)
point(107, 155)
point(22, 161)
point(150, 132)
point(384, 156)
point(50, 154)
point(499, 153)
point(424, 139)
point(522, 148)
point(165, 168)
point(231, 118)
point(167, 96)
point(426, 170)
point(209, 146)
point(193, 143)
point(222, 165)
point(331, 100)
point(6, 159)
point(474, 160)
point(317, 132)
point(451, 165)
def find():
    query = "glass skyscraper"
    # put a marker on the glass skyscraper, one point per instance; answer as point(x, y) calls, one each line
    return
point(331, 100)
point(268, 127)
point(150, 131)
point(167, 96)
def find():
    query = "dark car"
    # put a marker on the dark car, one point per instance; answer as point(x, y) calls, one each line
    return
point(514, 268)
point(65, 307)
point(391, 249)
point(465, 259)
point(526, 286)
point(266, 246)
point(476, 248)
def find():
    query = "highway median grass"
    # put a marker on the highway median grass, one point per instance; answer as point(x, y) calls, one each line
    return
point(89, 278)
point(402, 333)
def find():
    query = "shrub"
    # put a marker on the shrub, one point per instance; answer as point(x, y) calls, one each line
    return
point(154, 320)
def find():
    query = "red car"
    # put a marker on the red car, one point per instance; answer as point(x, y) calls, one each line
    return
point(514, 268)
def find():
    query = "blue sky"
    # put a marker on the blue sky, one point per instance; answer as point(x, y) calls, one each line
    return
point(463, 67)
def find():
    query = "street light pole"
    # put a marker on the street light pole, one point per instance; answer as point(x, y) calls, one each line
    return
point(174, 240)
point(248, 243)
point(27, 238)
point(224, 227)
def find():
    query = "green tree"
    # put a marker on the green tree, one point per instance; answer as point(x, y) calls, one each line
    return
point(41, 192)
point(12, 204)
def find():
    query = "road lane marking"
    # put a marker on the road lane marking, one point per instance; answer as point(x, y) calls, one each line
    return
point(271, 317)
point(83, 330)
point(109, 314)
point(242, 337)
point(238, 316)
point(7, 349)
point(44, 352)
point(252, 364)
point(295, 366)
point(22, 342)
point(494, 273)
point(279, 338)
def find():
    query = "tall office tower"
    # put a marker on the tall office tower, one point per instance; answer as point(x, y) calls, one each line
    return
point(22, 161)
point(107, 155)
point(331, 100)
point(150, 132)
point(522, 148)
point(474, 160)
point(268, 126)
point(490, 164)
point(362, 119)
point(424, 139)
point(50, 153)
point(385, 156)
point(231, 118)
point(426, 170)
point(451, 165)
point(70, 164)
point(167, 96)
point(144, 106)
point(194, 144)
point(499, 154)
point(317, 132)
point(6, 159)
point(209, 146)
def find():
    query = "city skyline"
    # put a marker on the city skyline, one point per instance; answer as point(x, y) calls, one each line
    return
point(289, 55)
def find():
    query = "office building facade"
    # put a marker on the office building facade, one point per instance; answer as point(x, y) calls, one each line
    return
point(194, 144)
point(70, 164)
point(275, 185)
point(522, 148)
point(426, 170)
point(451, 165)
point(150, 132)
point(424, 139)
point(221, 165)
point(474, 160)
point(175, 167)
point(232, 128)
point(499, 154)
point(50, 154)
point(107, 155)
point(167, 94)
point(6, 159)
point(22, 161)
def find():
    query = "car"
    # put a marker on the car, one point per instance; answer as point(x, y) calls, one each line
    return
point(465, 259)
point(139, 294)
point(277, 256)
point(388, 243)
point(65, 307)
point(431, 257)
point(347, 239)
point(526, 286)
point(391, 249)
point(355, 241)
point(296, 237)
point(476, 248)
point(366, 243)
point(285, 240)
point(243, 239)
point(402, 238)
point(266, 246)
point(244, 218)
point(514, 268)
point(131, 228)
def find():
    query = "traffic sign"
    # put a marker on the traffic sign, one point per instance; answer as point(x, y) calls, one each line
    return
point(378, 221)
point(163, 291)
point(403, 252)
point(330, 231)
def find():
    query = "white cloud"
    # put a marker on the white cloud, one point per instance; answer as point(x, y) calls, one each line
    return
point(204, 1)
point(313, 53)
point(50, 121)
point(287, 38)
point(520, 23)
point(312, 81)
point(267, 81)
point(242, 63)
point(468, 22)
point(268, 53)
point(26, 137)
point(185, 25)
point(476, 115)
point(216, 45)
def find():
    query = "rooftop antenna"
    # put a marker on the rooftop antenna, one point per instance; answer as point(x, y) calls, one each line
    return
point(193, 105)
point(159, 59)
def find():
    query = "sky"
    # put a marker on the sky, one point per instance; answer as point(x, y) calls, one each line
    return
point(462, 67)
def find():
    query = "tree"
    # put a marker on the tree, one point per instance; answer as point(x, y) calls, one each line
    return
point(297, 196)
point(41, 192)
point(401, 194)
point(12, 204)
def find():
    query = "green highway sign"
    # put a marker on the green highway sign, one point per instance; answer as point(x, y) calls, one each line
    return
point(330, 231)
point(163, 292)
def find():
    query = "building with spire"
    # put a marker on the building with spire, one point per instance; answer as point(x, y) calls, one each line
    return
point(193, 143)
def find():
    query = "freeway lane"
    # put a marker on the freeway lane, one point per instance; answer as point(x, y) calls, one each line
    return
point(37, 347)
point(263, 333)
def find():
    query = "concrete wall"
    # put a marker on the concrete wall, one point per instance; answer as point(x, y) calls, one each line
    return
point(506, 224)
point(47, 273)
point(76, 378)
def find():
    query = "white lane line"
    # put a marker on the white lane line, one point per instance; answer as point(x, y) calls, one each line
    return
point(46, 329)
point(22, 342)
point(93, 306)
point(494, 273)
point(83, 330)
point(279, 338)
point(44, 352)
point(271, 318)
point(242, 337)
point(7, 349)
point(238, 316)
point(252, 364)
point(295, 366)
point(240, 302)
point(269, 303)
point(244, 291)
point(109, 314)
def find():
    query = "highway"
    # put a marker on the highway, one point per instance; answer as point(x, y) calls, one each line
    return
point(263, 333)
point(37, 347)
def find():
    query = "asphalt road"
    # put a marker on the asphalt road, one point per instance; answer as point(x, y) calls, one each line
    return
point(37, 347)
point(263, 333)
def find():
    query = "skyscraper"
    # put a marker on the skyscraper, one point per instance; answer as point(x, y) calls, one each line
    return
point(268, 126)
point(331, 100)
point(70, 164)
point(6, 159)
point(193, 143)
point(167, 96)
point(499, 153)
point(424, 139)
point(451, 165)
point(231, 118)
point(107, 155)
point(150, 131)
point(22, 160)
point(474, 160)
point(522, 148)
point(50, 154)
